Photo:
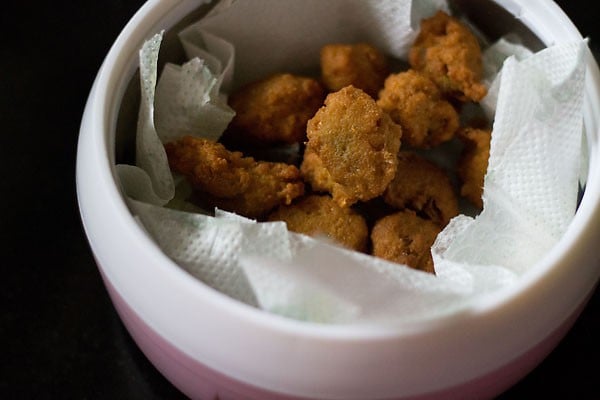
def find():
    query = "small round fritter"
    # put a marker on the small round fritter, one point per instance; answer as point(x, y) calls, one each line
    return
point(317, 215)
point(415, 102)
point(352, 148)
point(230, 181)
point(423, 187)
point(275, 109)
point(447, 51)
point(360, 65)
point(473, 162)
point(405, 238)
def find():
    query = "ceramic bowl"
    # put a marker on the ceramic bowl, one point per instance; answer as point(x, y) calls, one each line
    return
point(210, 345)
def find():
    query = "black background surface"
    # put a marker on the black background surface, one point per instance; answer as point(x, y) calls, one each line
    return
point(59, 334)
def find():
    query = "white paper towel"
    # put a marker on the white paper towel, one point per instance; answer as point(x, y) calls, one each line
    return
point(188, 102)
point(150, 179)
point(530, 190)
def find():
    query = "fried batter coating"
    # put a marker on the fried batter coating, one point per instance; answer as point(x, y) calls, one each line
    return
point(360, 65)
point(275, 109)
point(231, 181)
point(405, 238)
point(352, 147)
point(472, 164)
point(416, 104)
point(423, 187)
point(448, 52)
point(317, 215)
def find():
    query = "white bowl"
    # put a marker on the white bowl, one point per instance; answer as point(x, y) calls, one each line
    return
point(208, 344)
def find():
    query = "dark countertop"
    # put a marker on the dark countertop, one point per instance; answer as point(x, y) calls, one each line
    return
point(59, 333)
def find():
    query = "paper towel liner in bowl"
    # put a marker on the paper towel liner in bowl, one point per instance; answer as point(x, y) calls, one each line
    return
point(230, 337)
point(530, 190)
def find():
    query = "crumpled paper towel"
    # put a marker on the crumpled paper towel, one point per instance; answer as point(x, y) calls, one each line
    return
point(150, 179)
point(493, 58)
point(529, 197)
point(530, 189)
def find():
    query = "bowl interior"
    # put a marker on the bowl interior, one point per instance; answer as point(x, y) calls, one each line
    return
point(489, 19)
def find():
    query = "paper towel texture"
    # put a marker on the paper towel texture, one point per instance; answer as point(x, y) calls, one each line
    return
point(530, 189)
point(150, 180)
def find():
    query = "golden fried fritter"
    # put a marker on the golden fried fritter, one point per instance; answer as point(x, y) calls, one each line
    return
point(275, 109)
point(473, 162)
point(317, 215)
point(231, 181)
point(423, 187)
point(448, 52)
point(352, 147)
point(416, 103)
point(405, 238)
point(360, 65)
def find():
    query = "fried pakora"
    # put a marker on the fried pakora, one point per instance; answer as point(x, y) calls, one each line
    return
point(448, 52)
point(423, 187)
point(319, 215)
point(275, 110)
point(472, 164)
point(416, 104)
point(360, 65)
point(405, 238)
point(230, 181)
point(352, 147)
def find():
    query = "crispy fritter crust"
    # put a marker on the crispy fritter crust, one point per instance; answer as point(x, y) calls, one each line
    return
point(352, 148)
point(472, 164)
point(405, 238)
point(317, 215)
point(360, 65)
point(231, 181)
point(275, 109)
point(415, 102)
point(448, 52)
point(423, 187)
